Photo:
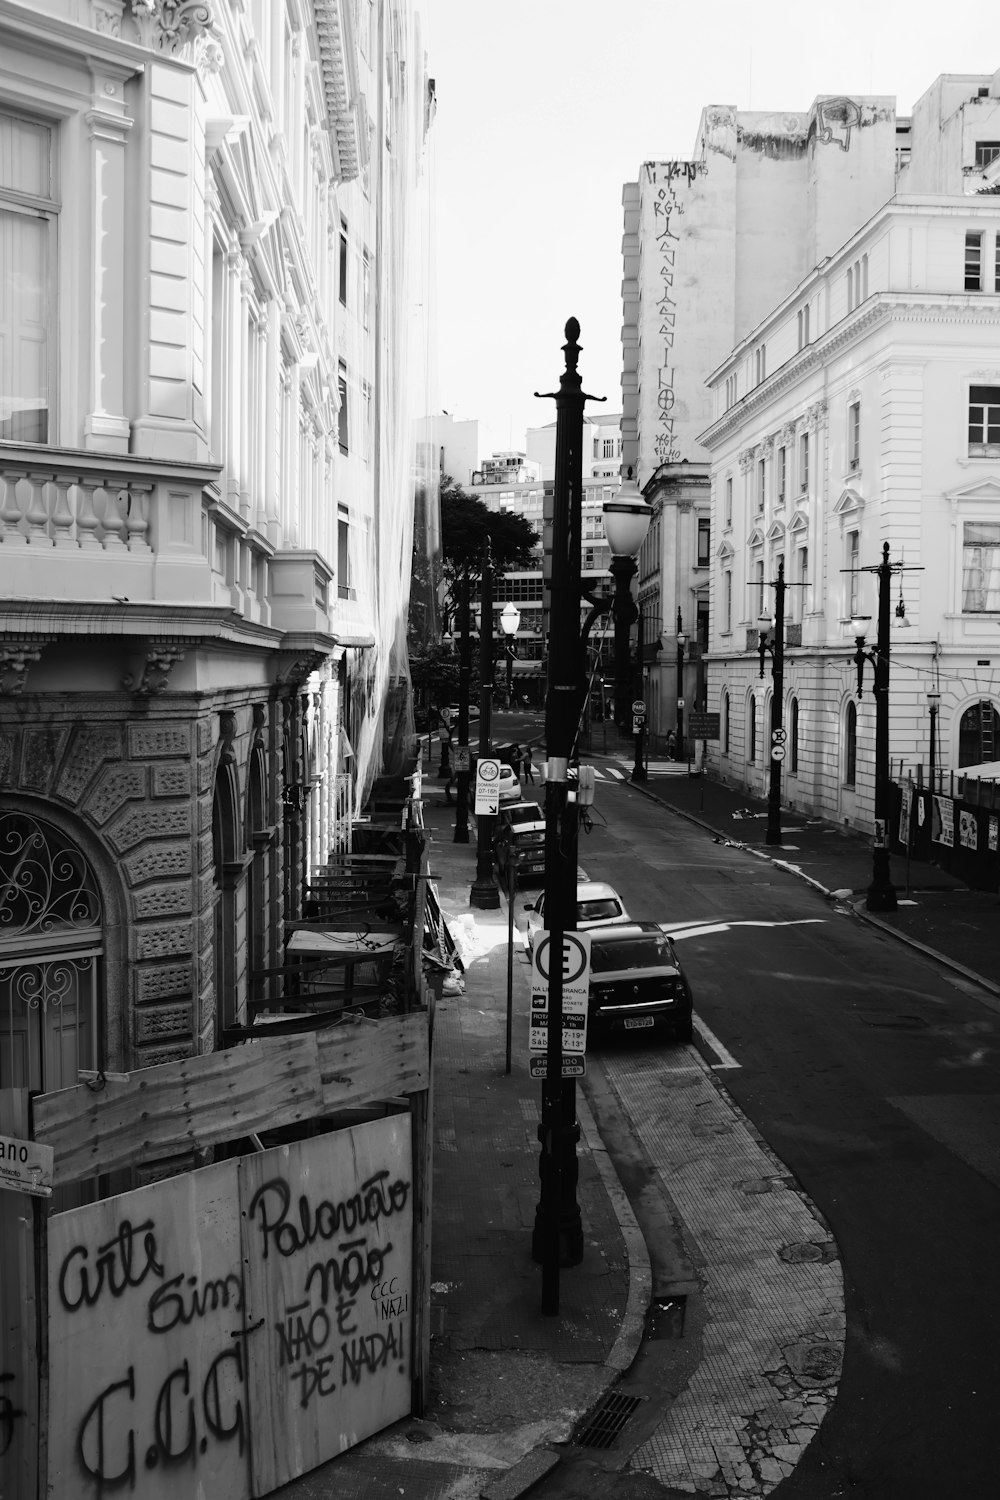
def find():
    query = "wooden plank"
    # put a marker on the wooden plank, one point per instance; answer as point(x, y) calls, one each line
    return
point(175, 1107)
point(20, 1326)
point(328, 1249)
point(374, 1060)
point(150, 1339)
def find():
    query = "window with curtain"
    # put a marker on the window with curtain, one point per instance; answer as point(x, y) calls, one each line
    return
point(727, 597)
point(804, 462)
point(27, 258)
point(342, 425)
point(980, 567)
point(853, 578)
point(704, 540)
point(752, 727)
point(850, 743)
point(973, 262)
point(725, 723)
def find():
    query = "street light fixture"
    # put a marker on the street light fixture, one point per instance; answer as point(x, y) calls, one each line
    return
point(485, 892)
point(464, 683)
point(774, 646)
point(933, 704)
point(626, 522)
point(510, 619)
point(681, 643)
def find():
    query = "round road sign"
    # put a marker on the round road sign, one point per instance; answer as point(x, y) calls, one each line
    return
point(488, 770)
point(638, 707)
point(575, 961)
point(779, 736)
point(778, 753)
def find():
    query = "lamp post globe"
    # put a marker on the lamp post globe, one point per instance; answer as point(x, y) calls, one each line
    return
point(626, 522)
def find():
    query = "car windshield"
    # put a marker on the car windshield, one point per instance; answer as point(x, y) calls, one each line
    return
point(649, 952)
point(592, 911)
point(529, 813)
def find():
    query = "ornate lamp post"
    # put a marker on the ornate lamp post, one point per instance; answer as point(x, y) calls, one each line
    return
point(626, 522)
point(557, 1239)
point(510, 619)
point(485, 892)
point(464, 683)
point(681, 643)
point(881, 894)
point(933, 704)
point(775, 648)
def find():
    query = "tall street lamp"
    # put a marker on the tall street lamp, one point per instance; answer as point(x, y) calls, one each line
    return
point(639, 719)
point(464, 684)
point(557, 1239)
point(626, 522)
point(485, 892)
point(681, 643)
point(510, 619)
point(933, 704)
point(775, 648)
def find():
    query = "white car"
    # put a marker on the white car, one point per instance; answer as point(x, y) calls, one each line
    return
point(597, 905)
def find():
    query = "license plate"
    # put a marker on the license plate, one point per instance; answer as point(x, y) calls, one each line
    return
point(633, 1023)
point(536, 869)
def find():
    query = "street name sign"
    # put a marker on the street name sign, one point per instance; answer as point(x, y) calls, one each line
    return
point(487, 785)
point(572, 1067)
point(26, 1167)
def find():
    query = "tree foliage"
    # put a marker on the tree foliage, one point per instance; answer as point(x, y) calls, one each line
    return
point(466, 523)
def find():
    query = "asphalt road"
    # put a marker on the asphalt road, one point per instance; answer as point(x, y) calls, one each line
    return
point(876, 1078)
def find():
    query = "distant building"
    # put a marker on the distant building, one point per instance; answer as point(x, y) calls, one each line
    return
point(849, 258)
point(451, 447)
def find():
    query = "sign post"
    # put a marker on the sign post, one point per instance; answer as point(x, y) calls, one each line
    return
point(575, 969)
point(487, 786)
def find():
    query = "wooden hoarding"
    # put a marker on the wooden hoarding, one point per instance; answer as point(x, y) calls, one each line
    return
point(223, 1331)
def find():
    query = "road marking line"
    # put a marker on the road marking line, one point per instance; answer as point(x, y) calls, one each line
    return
point(714, 1045)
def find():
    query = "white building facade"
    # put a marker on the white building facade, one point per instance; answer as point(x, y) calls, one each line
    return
point(863, 410)
point(211, 219)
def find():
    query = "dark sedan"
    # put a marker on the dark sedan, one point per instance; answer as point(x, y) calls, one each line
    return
point(637, 982)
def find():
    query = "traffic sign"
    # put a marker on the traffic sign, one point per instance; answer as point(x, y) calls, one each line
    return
point(638, 724)
point(462, 758)
point(639, 708)
point(487, 786)
point(575, 965)
point(777, 752)
point(702, 726)
point(572, 1067)
point(779, 736)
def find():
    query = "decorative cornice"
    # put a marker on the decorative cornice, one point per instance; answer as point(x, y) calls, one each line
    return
point(17, 655)
point(161, 658)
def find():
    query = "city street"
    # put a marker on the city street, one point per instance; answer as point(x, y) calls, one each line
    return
point(874, 1077)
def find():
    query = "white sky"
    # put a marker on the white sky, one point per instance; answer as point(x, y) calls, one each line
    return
point(547, 107)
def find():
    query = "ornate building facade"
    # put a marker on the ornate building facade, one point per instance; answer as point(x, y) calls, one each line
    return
point(212, 221)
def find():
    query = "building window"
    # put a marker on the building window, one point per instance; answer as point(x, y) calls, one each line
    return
point(27, 237)
point(343, 261)
point(729, 501)
point(978, 734)
point(608, 446)
point(727, 601)
point(782, 474)
point(704, 540)
point(725, 723)
point(793, 737)
point(986, 151)
point(760, 364)
point(803, 326)
point(366, 397)
point(854, 435)
point(761, 483)
point(853, 577)
point(996, 264)
point(343, 553)
point(342, 413)
point(984, 420)
point(804, 462)
point(758, 602)
point(981, 567)
point(973, 262)
point(799, 594)
point(850, 744)
point(752, 728)
point(850, 297)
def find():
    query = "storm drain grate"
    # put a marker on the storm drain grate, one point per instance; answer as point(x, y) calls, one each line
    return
point(607, 1421)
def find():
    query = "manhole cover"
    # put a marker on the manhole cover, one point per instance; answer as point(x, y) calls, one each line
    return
point(813, 1362)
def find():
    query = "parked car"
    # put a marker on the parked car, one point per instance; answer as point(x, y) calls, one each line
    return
point(521, 828)
point(597, 905)
point(637, 983)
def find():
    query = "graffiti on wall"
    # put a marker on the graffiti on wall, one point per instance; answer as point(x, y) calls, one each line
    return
point(230, 1328)
point(668, 208)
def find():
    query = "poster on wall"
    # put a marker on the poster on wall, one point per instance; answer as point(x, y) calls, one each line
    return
point(968, 829)
point(943, 821)
point(228, 1329)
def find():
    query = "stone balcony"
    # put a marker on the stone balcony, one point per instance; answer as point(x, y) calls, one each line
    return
point(80, 527)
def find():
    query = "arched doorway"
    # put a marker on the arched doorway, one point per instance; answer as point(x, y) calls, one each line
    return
point(51, 957)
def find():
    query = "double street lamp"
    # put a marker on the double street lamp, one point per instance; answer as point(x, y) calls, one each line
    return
point(626, 522)
point(774, 646)
point(881, 894)
point(681, 643)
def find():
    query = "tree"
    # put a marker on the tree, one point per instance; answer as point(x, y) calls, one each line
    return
point(465, 525)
